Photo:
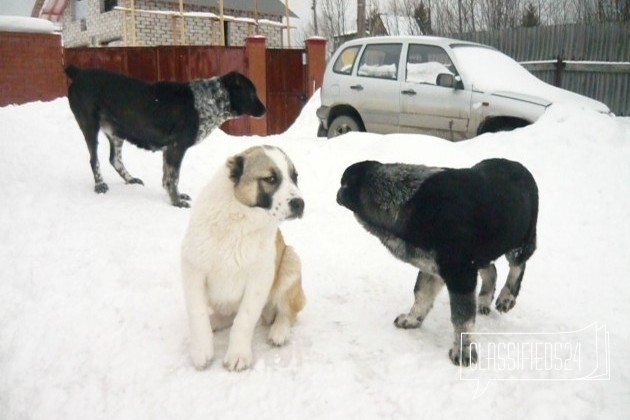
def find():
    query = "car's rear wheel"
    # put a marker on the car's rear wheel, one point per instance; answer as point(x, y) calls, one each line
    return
point(341, 125)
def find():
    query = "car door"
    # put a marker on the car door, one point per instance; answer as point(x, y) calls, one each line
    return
point(426, 107)
point(374, 89)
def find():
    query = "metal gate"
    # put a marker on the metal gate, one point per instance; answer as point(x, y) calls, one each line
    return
point(286, 88)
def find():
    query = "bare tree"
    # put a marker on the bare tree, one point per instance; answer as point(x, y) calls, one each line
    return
point(446, 17)
point(613, 10)
point(334, 21)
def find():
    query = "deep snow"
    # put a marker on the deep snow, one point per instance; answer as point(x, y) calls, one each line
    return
point(92, 318)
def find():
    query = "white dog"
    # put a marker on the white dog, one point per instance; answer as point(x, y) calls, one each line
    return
point(234, 260)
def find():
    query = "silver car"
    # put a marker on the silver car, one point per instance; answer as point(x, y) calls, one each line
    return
point(430, 85)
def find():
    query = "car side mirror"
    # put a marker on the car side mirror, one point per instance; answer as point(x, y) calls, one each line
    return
point(448, 80)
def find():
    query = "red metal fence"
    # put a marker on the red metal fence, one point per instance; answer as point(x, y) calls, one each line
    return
point(285, 78)
point(30, 68)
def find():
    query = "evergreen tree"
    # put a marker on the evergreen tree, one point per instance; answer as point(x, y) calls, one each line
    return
point(531, 17)
point(422, 16)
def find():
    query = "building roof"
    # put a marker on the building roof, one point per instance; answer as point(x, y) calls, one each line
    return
point(268, 7)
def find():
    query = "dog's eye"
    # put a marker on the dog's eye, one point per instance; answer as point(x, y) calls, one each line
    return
point(271, 180)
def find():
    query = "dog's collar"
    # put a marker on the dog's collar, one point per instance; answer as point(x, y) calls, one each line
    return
point(212, 102)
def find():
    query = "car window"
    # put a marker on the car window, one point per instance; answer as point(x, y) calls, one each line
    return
point(345, 61)
point(380, 61)
point(425, 62)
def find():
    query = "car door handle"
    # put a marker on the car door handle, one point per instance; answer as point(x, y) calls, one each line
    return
point(409, 92)
point(356, 87)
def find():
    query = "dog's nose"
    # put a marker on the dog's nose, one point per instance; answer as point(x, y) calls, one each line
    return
point(297, 207)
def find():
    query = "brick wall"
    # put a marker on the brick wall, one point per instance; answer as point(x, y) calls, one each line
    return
point(30, 68)
point(100, 28)
point(152, 30)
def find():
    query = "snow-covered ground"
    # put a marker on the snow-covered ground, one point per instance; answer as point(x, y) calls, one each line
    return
point(92, 318)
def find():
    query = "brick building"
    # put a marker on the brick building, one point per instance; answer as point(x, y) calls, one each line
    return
point(157, 22)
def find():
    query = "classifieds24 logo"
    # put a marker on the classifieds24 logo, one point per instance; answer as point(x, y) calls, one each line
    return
point(581, 355)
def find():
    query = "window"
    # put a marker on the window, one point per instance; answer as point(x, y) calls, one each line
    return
point(380, 61)
point(226, 33)
point(346, 59)
point(425, 62)
point(108, 5)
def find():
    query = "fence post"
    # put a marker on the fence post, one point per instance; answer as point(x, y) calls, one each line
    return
point(256, 56)
point(316, 56)
point(560, 65)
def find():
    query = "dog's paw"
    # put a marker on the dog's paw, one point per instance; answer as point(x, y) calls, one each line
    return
point(484, 302)
point(484, 309)
point(279, 332)
point(237, 361)
point(505, 302)
point(407, 321)
point(183, 196)
point(181, 204)
point(201, 354)
point(101, 188)
point(467, 355)
point(135, 181)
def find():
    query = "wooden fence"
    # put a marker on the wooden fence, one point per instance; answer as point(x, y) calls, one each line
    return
point(593, 60)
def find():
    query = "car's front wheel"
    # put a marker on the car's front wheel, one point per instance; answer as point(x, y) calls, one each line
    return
point(502, 124)
point(341, 125)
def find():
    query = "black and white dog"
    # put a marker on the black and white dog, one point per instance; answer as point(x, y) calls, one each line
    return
point(168, 116)
point(450, 224)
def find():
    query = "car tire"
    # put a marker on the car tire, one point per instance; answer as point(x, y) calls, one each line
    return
point(505, 126)
point(341, 125)
point(502, 127)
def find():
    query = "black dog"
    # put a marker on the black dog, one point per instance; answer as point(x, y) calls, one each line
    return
point(451, 224)
point(168, 116)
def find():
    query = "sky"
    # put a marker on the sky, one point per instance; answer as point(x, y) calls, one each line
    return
point(16, 7)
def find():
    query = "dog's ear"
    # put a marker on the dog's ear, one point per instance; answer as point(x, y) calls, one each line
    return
point(355, 173)
point(232, 79)
point(235, 165)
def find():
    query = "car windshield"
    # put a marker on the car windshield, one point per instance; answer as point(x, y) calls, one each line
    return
point(490, 70)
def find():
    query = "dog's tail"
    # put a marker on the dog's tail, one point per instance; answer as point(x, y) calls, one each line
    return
point(72, 71)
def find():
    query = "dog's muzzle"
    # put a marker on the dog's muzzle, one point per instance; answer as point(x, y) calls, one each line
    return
point(340, 196)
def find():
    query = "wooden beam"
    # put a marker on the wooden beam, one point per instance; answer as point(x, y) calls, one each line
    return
point(183, 22)
point(133, 23)
point(286, 12)
point(124, 27)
